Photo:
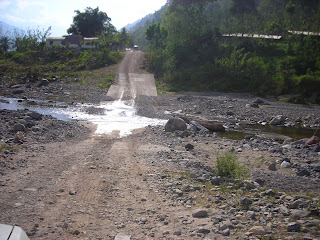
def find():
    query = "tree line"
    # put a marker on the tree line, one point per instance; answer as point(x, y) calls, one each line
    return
point(24, 50)
point(190, 51)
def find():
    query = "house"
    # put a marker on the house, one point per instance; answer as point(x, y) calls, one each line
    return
point(72, 41)
point(257, 36)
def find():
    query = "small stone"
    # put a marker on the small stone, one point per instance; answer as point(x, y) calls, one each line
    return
point(303, 173)
point(245, 203)
point(293, 227)
point(35, 115)
point(177, 233)
point(19, 127)
point(189, 147)
point(285, 164)
point(226, 232)
point(18, 91)
point(273, 166)
point(257, 230)
point(165, 233)
point(200, 213)
point(72, 192)
point(122, 236)
point(203, 230)
point(297, 214)
point(35, 129)
point(76, 232)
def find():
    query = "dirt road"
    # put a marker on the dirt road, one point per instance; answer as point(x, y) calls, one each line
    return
point(131, 81)
point(147, 185)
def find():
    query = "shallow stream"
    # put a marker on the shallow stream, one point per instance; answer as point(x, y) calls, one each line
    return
point(110, 116)
point(121, 116)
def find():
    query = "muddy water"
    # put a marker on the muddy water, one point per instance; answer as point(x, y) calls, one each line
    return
point(119, 116)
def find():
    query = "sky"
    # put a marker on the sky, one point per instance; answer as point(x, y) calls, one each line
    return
point(33, 14)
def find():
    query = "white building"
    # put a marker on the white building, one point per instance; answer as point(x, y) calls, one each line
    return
point(73, 41)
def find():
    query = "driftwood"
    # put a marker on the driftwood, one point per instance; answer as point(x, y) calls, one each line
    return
point(209, 124)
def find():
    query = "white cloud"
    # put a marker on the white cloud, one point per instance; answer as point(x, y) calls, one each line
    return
point(59, 13)
point(4, 4)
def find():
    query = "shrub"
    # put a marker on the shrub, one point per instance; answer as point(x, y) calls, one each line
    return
point(227, 165)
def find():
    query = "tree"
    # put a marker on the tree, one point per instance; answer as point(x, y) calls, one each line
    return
point(4, 44)
point(90, 23)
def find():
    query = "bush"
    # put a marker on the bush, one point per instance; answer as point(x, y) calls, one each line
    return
point(227, 166)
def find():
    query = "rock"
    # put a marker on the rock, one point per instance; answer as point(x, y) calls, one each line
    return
point(245, 203)
point(72, 192)
point(315, 168)
point(35, 129)
point(278, 120)
point(270, 193)
point(313, 140)
point(225, 232)
point(293, 227)
point(225, 225)
point(175, 124)
point(185, 134)
point(285, 164)
point(122, 236)
point(303, 173)
point(259, 101)
point(177, 232)
point(273, 166)
point(198, 126)
point(257, 230)
point(189, 147)
point(297, 214)
point(252, 105)
point(19, 127)
point(200, 213)
point(19, 137)
point(18, 91)
point(203, 230)
point(43, 82)
point(275, 150)
point(250, 185)
point(296, 204)
point(216, 180)
point(300, 142)
point(35, 115)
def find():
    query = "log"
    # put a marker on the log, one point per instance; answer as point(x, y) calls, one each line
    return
point(209, 124)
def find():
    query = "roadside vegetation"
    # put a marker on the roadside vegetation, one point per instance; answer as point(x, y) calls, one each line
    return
point(24, 56)
point(187, 49)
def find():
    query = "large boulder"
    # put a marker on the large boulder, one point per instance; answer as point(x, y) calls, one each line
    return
point(175, 124)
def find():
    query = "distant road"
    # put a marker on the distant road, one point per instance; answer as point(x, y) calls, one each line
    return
point(131, 81)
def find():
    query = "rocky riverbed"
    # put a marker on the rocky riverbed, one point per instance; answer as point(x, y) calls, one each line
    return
point(155, 184)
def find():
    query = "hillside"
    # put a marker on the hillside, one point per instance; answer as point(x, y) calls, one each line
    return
point(137, 30)
point(274, 46)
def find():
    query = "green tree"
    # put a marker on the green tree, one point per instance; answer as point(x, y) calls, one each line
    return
point(157, 35)
point(91, 23)
point(4, 44)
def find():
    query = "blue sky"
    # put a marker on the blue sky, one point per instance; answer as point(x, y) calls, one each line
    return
point(31, 14)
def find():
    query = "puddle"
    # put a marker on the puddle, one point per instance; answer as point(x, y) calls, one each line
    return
point(278, 133)
point(114, 116)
